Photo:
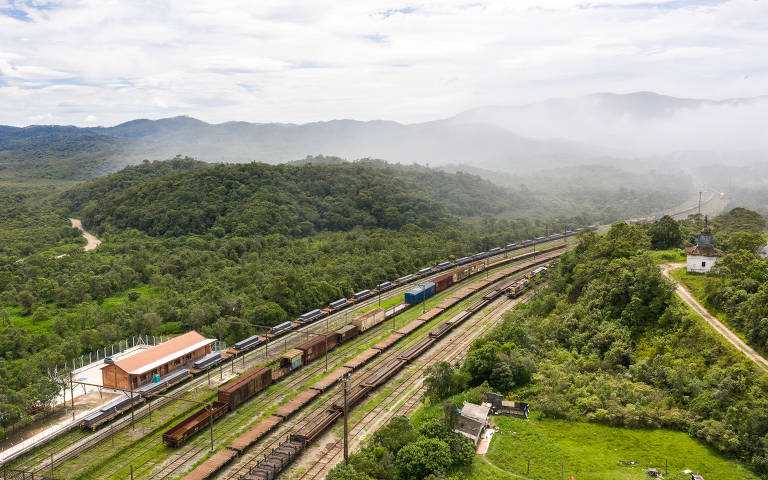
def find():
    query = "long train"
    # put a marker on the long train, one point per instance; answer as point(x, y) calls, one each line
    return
point(123, 404)
point(280, 457)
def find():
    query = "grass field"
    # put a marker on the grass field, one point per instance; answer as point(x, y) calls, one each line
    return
point(673, 255)
point(596, 452)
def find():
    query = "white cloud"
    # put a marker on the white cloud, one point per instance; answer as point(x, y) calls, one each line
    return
point(298, 61)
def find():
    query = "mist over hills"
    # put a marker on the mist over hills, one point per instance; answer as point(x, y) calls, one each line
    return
point(612, 129)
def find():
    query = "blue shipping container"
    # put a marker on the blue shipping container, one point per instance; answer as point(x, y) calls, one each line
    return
point(420, 293)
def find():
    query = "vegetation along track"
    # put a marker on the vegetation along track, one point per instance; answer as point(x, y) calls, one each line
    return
point(409, 387)
point(199, 445)
point(146, 452)
point(413, 377)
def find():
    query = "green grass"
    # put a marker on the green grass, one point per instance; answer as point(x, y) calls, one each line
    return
point(696, 284)
point(592, 451)
point(673, 255)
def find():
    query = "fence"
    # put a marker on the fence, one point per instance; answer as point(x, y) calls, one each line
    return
point(9, 474)
point(84, 361)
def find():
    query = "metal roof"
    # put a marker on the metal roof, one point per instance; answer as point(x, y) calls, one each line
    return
point(161, 354)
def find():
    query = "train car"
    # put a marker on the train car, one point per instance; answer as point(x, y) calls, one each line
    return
point(309, 432)
point(512, 246)
point(212, 465)
point(420, 293)
point(208, 361)
point(479, 255)
point(405, 279)
point(338, 304)
point(415, 350)
point(109, 411)
point(249, 343)
point(383, 373)
point(495, 251)
point(292, 359)
point(292, 406)
point(460, 274)
point(237, 391)
point(362, 295)
point(369, 319)
point(517, 287)
point(361, 359)
point(348, 332)
point(279, 329)
point(311, 316)
point(383, 287)
point(443, 266)
point(315, 348)
point(526, 243)
point(254, 434)
point(329, 380)
point(430, 314)
point(181, 432)
point(424, 271)
point(388, 341)
point(443, 281)
point(463, 260)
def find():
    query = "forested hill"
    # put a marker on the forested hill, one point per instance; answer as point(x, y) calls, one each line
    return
point(251, 199)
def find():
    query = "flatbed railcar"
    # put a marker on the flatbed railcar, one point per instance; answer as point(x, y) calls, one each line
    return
point(181, 432)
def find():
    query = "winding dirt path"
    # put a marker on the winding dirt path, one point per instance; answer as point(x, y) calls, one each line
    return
point(719, 327)
point(93, 242)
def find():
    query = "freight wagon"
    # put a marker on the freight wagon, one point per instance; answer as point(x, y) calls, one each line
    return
point(424, 271)
point(292, 359)
point(369, 319)
point(338, 304)
point(347, 332)
point(420, 293)
point(362, 295)
point(207, 362)
point(241, 389)
point(383, 287)
point(405, 279)
point(181, 432)
point(277, 329)
point(248, 343)
point(309, 316)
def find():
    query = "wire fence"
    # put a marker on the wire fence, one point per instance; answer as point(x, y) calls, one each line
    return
point(86, 360)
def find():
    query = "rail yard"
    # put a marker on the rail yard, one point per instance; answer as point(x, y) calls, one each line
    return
point(115, 441)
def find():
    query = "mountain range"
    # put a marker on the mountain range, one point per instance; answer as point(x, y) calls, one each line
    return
point(602, 128)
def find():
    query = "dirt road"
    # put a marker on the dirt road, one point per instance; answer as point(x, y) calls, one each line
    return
point(688, 298)
point(93, 242)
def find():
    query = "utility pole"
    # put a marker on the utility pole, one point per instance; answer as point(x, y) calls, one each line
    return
point(131, 408)
point(210, 417)
point(326, 344)
point(346, 448)
point(72, 395)
point(699, 203)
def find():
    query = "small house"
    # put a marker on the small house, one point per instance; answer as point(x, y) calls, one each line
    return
point(499, 406)
point(472, 421)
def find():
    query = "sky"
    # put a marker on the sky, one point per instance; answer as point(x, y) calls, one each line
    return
point(104, 62)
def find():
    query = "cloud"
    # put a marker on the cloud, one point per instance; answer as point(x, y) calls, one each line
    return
point(299, 61)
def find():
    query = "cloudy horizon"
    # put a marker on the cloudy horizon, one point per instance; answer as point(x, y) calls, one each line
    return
point(99, 63)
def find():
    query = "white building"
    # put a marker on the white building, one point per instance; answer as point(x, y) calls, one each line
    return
point(702, 257)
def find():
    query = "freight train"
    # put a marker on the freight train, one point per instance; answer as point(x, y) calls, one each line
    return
point(285, 453)
point(119, 406)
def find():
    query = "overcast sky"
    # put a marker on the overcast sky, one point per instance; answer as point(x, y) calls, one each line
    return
point(104, 62)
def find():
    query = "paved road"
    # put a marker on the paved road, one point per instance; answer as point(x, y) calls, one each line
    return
point(719, 327)
point(93, 242)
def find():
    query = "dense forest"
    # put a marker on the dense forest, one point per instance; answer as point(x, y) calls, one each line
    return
point(251, 199)
point(53, 309)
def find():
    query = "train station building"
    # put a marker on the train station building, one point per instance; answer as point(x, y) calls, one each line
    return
point(160, 360)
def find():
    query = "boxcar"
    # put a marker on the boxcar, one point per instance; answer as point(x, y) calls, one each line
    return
point(443, 281)
point(241, 389)
point(348, 332)
point(420, 293)
point(292, 359)
point(369, 319)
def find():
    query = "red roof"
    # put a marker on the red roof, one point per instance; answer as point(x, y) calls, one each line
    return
point(178, 345)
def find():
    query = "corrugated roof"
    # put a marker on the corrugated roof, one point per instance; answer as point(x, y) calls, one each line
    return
point(163, 353)
point(475, 412)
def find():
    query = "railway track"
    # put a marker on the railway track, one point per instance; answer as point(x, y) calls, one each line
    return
point(59, 450)
point(200, 442)
point(409, 391)
point(250, 459)
point(148, 465)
